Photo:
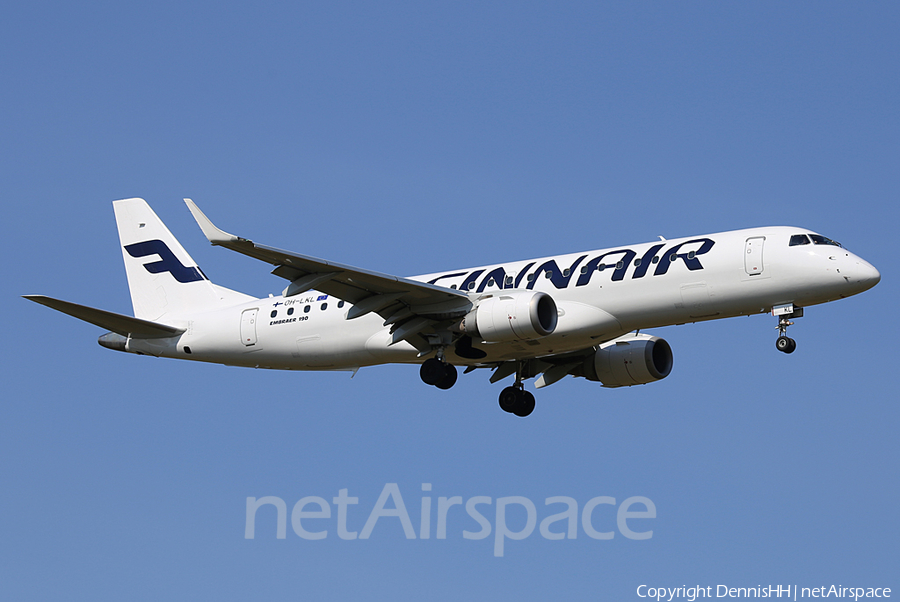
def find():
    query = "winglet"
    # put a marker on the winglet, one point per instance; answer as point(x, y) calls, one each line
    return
point(212, 233)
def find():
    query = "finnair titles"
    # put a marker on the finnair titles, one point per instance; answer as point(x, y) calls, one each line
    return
point(580, 314)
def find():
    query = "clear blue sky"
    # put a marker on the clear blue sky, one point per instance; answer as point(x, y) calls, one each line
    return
point(411, 138)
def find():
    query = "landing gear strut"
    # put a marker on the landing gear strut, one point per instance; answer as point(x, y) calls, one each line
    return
point(516, 400)
point(437, 373)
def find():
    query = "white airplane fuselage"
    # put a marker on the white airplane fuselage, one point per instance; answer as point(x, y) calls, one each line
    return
point(640, 286)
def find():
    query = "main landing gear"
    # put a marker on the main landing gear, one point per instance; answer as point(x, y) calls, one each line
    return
point(515, 399)
point(438, 373)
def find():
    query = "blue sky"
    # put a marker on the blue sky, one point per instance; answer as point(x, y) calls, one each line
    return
point(412, 138)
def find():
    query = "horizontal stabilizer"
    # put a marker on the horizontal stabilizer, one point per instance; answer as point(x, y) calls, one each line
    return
point(123, 325)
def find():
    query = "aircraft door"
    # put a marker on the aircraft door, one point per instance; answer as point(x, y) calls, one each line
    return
point(753, 255)
point(248, 326)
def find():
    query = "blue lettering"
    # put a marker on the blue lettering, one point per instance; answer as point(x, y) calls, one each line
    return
point(470, 280)
point(549, 269)
point(552, 271)
point(446, 276)
point(523, 273)
point(498, 275)
point(690, 258)
point(646, 260)
point(619, 274)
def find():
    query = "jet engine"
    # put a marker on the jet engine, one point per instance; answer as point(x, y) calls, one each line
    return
point(634, 359)
point(513, 316)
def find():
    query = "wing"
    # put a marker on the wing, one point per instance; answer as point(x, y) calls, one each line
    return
point(409, 306)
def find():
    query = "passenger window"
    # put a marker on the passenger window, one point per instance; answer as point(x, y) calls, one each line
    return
point(324, 306)
point(566, 273)
point(340, 304)
point(509, 281)
point(306, 309)
point(290, 311)
point(274, 313)
point(798, 239)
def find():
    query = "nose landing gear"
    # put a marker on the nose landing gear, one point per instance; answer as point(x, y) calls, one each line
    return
point(784, 343)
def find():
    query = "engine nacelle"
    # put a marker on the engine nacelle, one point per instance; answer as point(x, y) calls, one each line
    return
point(635, 359)
point(513, 316)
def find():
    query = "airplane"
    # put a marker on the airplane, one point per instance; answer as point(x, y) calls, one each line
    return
point(579, 314)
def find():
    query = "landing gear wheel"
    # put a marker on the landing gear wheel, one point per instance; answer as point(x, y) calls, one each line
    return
point(526, 404)
point(516, 401)
point(785, 344)
point(437, 373)
point(509, 399)
point(432, 371)
point(449, 379)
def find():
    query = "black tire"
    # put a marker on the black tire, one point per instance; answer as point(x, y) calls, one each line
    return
point(791, 346)
point(526, 405)
point(450, 376)
point(783, 344)
point(432, 371)
point(509, 399)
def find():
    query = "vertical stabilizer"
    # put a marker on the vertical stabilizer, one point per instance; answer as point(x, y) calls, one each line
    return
point(163, 279)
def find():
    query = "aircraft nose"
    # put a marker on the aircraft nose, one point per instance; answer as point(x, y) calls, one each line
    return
point(867, 275)
point(874, 276)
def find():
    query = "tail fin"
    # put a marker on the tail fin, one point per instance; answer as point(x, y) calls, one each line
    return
point(162, 277)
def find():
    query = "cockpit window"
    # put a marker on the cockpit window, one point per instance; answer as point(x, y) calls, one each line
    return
point(799, 239)
point(821, 240)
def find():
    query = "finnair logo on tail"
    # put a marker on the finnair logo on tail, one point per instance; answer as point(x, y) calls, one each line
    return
point(168, 262)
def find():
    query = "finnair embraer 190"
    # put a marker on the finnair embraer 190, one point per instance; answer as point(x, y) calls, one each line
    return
point(578, 314)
